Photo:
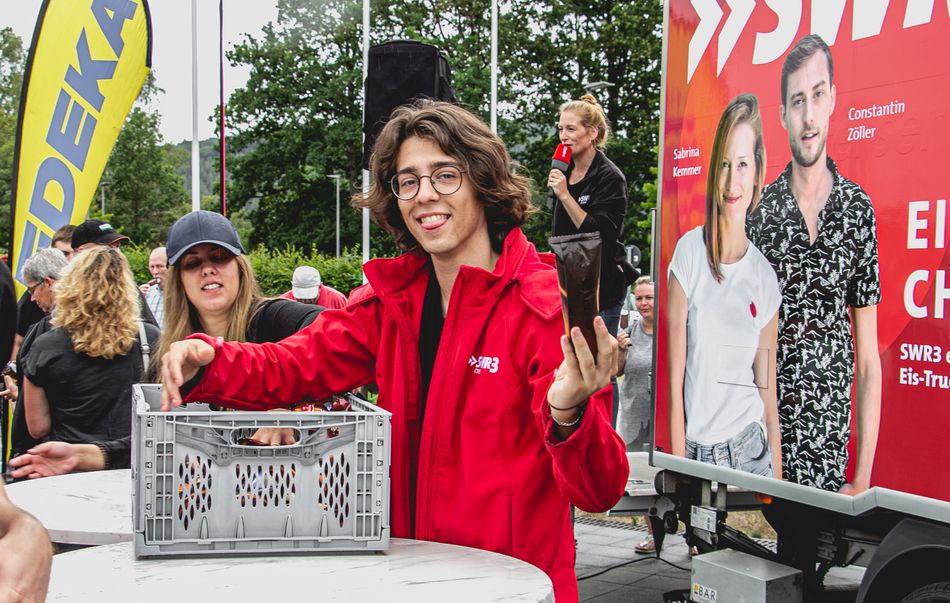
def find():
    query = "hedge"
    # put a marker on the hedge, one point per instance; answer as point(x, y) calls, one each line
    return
point(274, 268)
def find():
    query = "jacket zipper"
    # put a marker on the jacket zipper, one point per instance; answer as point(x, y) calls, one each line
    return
point(450, 321)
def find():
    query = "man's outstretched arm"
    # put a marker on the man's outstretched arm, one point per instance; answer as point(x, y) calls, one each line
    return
point(868, 403)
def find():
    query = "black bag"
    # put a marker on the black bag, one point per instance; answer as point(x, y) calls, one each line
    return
point(399, 72)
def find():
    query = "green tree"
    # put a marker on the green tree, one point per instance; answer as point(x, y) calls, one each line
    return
point(143, 193)
point(208, 152)
point(650, 193)
point(547, 51)
point(297, 121)
point(299, 117)
point(553, 50)
point(11, 80)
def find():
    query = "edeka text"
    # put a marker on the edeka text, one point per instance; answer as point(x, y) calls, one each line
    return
point(71, 128)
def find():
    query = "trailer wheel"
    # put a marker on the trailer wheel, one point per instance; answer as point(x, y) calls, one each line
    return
point(671, 522)
point(936, 592)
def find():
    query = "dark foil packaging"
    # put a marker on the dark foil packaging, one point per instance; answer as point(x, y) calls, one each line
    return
point(578, 278)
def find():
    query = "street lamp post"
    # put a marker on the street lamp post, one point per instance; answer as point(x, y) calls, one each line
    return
point(494, 66)
point(365, 188)
point(102, 196)
point(595, 86)
point(195, 147)
point(337, 178)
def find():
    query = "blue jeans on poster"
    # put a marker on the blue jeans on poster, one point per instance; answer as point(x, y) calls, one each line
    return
point(748, 451)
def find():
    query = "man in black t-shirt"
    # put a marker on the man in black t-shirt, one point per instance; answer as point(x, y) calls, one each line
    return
point(40, 272)
point(7, 311)
point(7, 334)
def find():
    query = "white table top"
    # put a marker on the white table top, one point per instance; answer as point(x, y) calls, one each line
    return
point(411, 570)
point(80, 508)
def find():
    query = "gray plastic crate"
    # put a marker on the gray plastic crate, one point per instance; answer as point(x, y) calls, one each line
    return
point(198, 491)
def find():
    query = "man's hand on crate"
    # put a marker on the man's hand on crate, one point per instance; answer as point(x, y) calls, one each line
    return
point(179, 364)
point(275, 436)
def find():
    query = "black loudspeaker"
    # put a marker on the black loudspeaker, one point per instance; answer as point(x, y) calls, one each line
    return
point(398, 73)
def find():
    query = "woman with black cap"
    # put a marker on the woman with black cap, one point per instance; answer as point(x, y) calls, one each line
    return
point(210, 287)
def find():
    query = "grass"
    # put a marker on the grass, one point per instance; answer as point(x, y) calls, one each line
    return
point(752, 523)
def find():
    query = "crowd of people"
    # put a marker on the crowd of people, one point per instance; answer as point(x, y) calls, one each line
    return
point(548, 426)
point(72, 384)
point(85, 332)
point(444, 190)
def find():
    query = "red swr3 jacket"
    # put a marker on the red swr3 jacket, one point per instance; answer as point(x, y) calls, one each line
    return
point(492, 474)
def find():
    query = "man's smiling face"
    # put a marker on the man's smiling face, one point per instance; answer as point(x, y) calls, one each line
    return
point(806, 114)
point(448, 227)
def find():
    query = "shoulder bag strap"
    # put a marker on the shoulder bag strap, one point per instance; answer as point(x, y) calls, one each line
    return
point(143, 343)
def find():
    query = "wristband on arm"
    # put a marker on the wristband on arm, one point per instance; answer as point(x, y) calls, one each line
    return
point(573, 423)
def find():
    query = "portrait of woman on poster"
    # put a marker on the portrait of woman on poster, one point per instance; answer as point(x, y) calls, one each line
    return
point(723, 314)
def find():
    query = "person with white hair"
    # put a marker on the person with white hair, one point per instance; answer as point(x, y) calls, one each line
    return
point(41, 272)
point(308, 288)
point(153, 291)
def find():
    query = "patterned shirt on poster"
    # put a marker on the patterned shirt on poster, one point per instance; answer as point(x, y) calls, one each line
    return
point(815, 343)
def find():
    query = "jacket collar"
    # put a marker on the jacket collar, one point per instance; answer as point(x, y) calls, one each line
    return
point(594, 164)
point(400, 282)
point(395, 275)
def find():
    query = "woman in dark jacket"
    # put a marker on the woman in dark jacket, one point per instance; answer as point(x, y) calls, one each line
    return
point(592, 197)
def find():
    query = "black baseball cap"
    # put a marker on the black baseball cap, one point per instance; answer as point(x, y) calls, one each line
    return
point(95, 231)
point(201, 227)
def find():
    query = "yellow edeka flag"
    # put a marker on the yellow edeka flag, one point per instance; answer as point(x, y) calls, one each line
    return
point(87, 64)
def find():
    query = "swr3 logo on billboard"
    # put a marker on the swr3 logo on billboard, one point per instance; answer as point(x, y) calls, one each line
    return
point(867, 19)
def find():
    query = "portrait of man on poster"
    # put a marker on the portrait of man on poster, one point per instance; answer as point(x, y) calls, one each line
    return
point(818, 230)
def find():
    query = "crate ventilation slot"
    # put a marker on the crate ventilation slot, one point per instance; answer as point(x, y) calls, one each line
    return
point(194, 488)
point(265, 485)
point(333, 486)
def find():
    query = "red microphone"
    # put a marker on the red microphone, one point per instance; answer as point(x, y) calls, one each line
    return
point(562, 158)
point(560, 161)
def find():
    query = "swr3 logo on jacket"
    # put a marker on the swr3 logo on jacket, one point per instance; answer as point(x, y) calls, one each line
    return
point(489, 363)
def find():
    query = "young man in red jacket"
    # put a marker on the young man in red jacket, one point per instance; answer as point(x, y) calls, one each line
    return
point(498, 425)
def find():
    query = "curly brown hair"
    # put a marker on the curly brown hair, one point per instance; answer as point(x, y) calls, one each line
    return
point(97, 303)
point(506, 196)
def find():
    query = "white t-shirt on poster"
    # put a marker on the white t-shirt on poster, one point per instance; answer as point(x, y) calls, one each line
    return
point(722, 338)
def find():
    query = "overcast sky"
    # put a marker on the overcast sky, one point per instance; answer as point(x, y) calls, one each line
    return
point(171, 53)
